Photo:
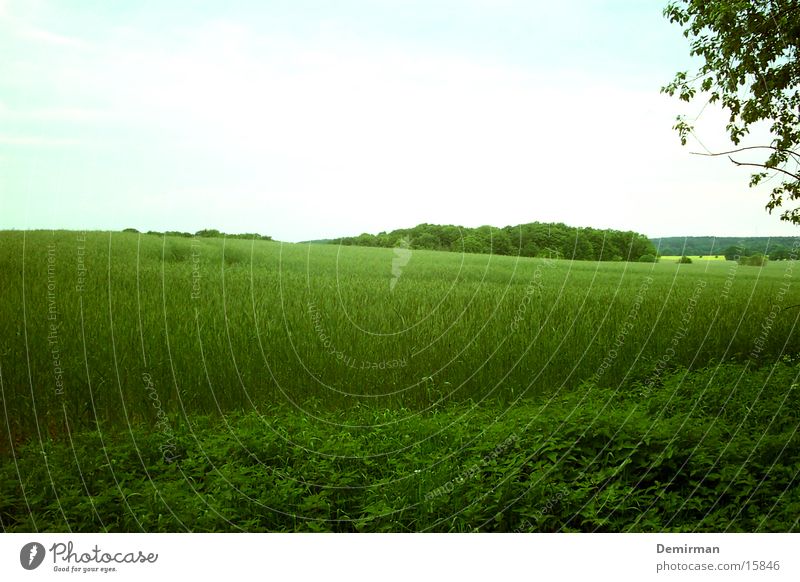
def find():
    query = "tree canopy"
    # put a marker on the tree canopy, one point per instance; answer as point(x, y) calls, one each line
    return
point(528, 240)
point(749, 51)
point(731, 247)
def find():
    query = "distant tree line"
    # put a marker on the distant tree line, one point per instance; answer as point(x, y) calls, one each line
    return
point(535, 239)
point(777, 248)
point(205, 233)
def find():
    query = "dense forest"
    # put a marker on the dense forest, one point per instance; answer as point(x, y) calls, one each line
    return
point(776, 247)
point(535, 239)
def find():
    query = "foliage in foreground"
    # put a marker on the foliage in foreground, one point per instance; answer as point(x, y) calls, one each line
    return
point(713, 450)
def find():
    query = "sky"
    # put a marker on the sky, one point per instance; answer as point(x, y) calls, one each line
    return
point(305, 119)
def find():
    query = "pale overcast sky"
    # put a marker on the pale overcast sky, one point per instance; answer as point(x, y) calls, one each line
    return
point(311, 119)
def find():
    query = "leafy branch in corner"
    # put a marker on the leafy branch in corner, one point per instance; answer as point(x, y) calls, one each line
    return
point(749, 51)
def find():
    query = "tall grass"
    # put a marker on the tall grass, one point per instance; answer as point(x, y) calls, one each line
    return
point(118, 328)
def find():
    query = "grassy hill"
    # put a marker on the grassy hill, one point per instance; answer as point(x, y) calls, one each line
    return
point(313, 387)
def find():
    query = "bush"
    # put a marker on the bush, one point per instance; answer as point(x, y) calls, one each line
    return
point(648, 259)
point(249, 236)
point(756, 260)
point(684, 260)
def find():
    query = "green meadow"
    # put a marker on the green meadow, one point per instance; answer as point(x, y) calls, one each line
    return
point(156, 383)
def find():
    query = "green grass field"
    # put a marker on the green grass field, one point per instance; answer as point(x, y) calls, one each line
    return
point(162, 384)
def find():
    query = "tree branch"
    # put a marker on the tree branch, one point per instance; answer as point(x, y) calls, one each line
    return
point(795, 176)
point(710, 154)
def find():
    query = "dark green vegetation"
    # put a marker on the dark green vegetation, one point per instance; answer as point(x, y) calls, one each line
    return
point(755, 260)
point(557, 240)
point(536, 239)
point(748, 52)
point(163, 383)
point(716, 450)
point(205, 233)
point(777, 247)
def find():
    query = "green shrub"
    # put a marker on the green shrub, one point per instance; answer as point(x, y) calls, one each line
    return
point(209, 233)
point(755, 260)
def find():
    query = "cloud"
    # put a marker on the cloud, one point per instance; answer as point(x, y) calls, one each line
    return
point(269, 121)
point(23, 28)
point(220, 125)
point(51, 38)
point(45, 141)
point(59, 114)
